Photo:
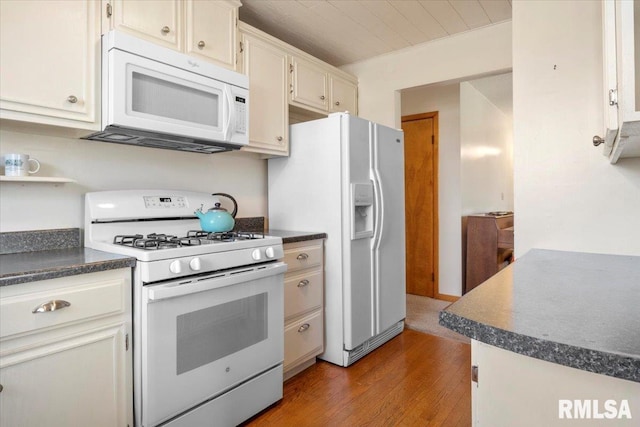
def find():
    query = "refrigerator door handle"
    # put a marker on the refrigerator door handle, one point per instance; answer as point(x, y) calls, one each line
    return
point(379, 209)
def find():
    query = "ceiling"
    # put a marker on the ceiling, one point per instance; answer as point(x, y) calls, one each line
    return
point(345, 31)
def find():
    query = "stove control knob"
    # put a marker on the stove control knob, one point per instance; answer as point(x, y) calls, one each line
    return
point(256, 255)
point(175, 267)
point(270, 253)
point(195, 264)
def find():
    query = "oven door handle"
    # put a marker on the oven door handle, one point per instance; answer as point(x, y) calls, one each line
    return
point(178, 289)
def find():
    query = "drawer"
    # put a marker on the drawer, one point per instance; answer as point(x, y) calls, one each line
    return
point(300, 257)
point(86, 300)
point(302, 338)
point(302, 292)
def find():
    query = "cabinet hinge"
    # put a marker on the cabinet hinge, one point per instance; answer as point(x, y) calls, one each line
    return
point(433, 277)
point(474, 373)
point(613, 97)
point(241, 47)
point(291, 68)
point(109, 10)
point(433, 139)
point(126, 342)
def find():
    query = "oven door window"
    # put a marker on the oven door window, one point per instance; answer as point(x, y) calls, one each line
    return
point(206, 335)
point(198, 345)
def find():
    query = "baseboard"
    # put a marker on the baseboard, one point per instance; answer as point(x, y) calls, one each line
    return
point(445, 297)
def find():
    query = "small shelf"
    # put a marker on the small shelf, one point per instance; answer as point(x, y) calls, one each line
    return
point(54, 179)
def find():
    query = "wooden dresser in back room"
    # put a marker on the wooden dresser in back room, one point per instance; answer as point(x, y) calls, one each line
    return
point(487, 246)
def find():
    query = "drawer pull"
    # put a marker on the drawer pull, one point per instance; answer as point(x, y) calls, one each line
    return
point(303, 328)
point(302, 256)
point(51, 306)
point(302, 283)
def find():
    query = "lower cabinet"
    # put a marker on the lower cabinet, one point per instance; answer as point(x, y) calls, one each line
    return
point(303, 305)
point(65, 355)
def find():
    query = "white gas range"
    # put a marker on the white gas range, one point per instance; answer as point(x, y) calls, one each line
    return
point(208, 307)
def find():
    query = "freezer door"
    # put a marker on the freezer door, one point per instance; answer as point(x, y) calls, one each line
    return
point(359, 322)
point(388, 243)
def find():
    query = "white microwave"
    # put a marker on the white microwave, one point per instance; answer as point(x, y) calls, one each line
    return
point(155, 97)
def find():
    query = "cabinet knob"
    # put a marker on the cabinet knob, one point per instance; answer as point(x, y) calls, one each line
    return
point(337, 103)
point(54, 305)
point(165, 30)
point(303, 327)
point(597, 140)
point(302, 256)
point(302, 283)
point(72, 99)
point(322, 97)
point(201, 44)
point(279, 138)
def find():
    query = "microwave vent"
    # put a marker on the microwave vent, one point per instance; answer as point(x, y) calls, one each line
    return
point(151, 140)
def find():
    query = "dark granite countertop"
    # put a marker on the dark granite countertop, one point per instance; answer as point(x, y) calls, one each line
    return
point(50, 264)
point(575, 309)
point(296, 236)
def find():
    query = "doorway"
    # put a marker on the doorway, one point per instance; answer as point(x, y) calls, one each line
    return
point(421, 202)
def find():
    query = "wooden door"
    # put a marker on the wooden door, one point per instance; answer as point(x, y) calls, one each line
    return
point(421, 202)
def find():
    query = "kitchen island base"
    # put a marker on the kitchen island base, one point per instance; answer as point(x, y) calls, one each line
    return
point(516, 390)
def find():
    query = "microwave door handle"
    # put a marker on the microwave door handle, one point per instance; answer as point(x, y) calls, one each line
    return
point(231, 113)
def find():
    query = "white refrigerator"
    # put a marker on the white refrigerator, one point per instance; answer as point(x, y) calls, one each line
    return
point(345, 177)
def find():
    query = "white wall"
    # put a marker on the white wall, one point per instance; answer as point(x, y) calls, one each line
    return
point(105, 166)
point(456, 58)
point(486, 165)
point(474, 53)
point(446, 100)
point(567, 195)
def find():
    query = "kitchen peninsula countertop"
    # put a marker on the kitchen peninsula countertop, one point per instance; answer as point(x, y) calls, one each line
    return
point(575, 309)
point(295, 236)
point(50, 264)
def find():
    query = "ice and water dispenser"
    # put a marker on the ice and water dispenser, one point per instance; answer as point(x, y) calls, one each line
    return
point(361, 211)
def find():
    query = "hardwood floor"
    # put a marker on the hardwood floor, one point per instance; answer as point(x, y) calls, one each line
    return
point(415, 379)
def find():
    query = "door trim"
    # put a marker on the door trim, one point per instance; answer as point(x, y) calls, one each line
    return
point(436, 247)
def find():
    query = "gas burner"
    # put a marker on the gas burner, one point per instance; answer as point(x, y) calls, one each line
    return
point(227, 236)
point(161, 237)
point(126, 240)
point(152, 243)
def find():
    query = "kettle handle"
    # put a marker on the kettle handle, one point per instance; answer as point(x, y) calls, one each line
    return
point(235, 204)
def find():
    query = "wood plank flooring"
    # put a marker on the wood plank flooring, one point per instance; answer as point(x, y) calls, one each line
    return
point(415, 379)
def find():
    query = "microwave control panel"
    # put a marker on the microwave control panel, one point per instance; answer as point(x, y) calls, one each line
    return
point(241, 114)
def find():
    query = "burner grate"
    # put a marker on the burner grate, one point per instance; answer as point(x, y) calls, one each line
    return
point(155, 241)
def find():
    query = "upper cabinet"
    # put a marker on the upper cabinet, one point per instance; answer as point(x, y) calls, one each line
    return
point(158, 21)
point(264, 60)
point(282, 76)
point(211, 31)
point(320, 87)
point(203, 28)
point(49, 52)
point(622, 79)
point(308, 84)
point(343, 95)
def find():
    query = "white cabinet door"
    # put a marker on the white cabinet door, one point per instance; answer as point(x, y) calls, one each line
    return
point(266, 66)
point(211, 31)
point(158, 21)
point(68, 364)
point(621, 79)
point(344, 96)
point(308, 84)
point(49, 52)
point(80, 381)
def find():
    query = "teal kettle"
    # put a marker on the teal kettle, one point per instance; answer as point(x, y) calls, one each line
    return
point(218, 219)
